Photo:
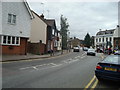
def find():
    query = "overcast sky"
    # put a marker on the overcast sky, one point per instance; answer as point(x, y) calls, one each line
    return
point(83, 17)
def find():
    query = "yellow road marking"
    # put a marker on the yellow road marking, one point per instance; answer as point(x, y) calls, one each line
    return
point(90, 83)
point(94, 85)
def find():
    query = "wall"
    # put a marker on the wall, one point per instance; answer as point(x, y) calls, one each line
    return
point(117, 45)
point(36, 48)
point(23, 19)
point(38, 30)
point(117, 32)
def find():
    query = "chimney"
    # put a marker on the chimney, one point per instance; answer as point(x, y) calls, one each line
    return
point(42, 16)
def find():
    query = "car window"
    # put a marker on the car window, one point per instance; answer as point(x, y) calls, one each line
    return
point(91, 50)
point(112, 59)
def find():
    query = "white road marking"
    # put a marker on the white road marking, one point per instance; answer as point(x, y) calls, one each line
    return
point(53, 64)
point(35, 68)
point(83, 56)
point(25, 68)
point(70, 60)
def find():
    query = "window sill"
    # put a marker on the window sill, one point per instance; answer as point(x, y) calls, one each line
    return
point(11, 23)
point(12, 44)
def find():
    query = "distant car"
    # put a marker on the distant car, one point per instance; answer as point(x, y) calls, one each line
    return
point(91, 52)
point(85, 49)
point(99, 50)
point(76, 49)
point(109, 68)
point(117, 52)
point(106, 51)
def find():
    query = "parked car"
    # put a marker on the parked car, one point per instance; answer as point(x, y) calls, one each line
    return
point(76, 49)
point(85, 49)
point(99, 50)
point(109, 68)
point(91, 52)
point(117, 52)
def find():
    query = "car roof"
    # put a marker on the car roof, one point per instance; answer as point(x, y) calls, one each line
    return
point(112, 59)
point(91, 49)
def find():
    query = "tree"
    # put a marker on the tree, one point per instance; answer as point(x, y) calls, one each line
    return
point(64, 29)
point(87, 40)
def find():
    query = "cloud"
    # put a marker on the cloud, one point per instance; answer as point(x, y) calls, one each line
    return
point(83, 17)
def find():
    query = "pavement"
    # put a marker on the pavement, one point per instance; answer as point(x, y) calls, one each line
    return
point(6, 58)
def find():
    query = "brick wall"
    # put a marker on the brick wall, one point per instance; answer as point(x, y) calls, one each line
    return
point(15, 50)
point(36, 48)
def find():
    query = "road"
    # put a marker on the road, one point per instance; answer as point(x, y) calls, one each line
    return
point(73, 70)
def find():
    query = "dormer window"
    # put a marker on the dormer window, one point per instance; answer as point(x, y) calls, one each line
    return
point(11, 18)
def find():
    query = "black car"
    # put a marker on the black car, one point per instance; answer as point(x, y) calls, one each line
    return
point(109, 68)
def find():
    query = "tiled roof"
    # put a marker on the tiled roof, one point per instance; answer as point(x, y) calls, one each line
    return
point(106, 32)
point(50, 22)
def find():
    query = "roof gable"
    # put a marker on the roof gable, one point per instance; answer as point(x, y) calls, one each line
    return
point(51, 22)
point(28, 8)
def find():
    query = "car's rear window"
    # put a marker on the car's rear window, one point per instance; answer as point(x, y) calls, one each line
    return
point(92, 50)
point(112, 59)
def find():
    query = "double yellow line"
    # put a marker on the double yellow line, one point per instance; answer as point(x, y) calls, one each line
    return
point(93, 83)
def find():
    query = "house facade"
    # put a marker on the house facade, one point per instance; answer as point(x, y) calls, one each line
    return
point(59, 48)
point(38, 35)
point(52, 35)
point(16, 25)
point(117, 38)
point(43, 36)
point(105, 39)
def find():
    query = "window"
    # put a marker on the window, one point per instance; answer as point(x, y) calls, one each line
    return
point(53, 32)
point(106, 39)
point(103, 39)
point(55, 43)
point(14, 19)
point(10, 40)
point(110, 39)
point(96, 40)
point(99, 39)
point(11, 18)
point(13, 40)
point(116, 42)
point(4, 39)
point(17, 40)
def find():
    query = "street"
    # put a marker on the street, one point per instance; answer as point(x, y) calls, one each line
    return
point(73, 70)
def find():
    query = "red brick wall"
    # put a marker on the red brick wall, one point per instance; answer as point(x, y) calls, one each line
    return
point(36, 48)
point(15, 50)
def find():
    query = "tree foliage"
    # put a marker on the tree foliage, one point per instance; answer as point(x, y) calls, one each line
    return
point(64, 29)
point(87, 40)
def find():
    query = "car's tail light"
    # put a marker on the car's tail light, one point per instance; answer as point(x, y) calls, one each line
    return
point(118, 70)
point(98, 67)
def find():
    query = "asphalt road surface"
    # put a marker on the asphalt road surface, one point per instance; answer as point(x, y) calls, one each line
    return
point(73, 70)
